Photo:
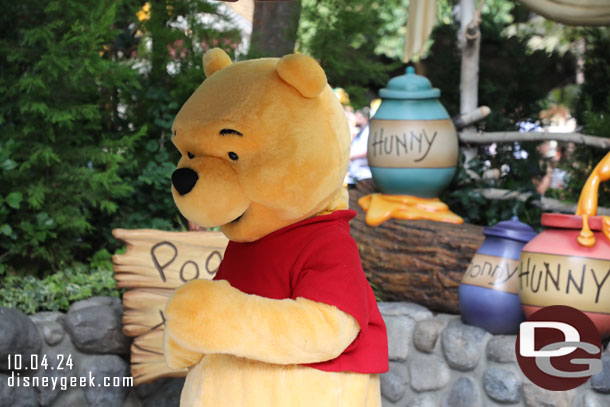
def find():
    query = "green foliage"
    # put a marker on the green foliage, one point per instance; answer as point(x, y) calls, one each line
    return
point(60, 154)
point(56, 291)
point(343, 36)
point(580, 162)
point(394, 15)
point(514, 80)
point(175, 70)
point(88, 93)
point(464, 195)
point(592, 108)
point(594, 91)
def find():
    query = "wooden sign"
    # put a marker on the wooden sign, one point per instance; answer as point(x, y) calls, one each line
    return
point(153, 266)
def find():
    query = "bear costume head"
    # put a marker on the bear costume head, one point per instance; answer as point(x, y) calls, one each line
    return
point(264, 144)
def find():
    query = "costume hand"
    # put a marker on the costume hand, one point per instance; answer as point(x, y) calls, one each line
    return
point(176, 356)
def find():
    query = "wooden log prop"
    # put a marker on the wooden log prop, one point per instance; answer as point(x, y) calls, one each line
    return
point(416, 260)
point(155, 263)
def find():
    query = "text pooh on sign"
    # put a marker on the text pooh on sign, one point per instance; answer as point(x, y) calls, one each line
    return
point(155, 263)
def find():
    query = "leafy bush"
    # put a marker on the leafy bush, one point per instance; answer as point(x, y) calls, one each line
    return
point(343, 36)
point(88, 93)
point(513, 80)
point(56, 291)
point(61, 152)
point(464, 196)
point(173, 70)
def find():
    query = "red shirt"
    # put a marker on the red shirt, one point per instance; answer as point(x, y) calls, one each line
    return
point(315, 259)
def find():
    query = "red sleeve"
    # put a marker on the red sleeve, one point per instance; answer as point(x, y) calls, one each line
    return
point(332, 274)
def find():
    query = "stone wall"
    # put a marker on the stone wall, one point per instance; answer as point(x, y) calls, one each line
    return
point(435, 361)
point(86, 342)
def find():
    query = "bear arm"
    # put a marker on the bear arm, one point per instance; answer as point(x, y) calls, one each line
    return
point(213, 317)
point(177, 357)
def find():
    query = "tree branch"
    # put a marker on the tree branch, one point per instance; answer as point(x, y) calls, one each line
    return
point(546, 204)
point(466, 119)
point(511, 136)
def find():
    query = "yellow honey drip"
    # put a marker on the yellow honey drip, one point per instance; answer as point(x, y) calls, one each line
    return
point(587, 204)
point(586, 238)
point(382, 207)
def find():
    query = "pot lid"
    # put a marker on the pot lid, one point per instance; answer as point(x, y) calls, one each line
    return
point(511, 229)
point(409, 86)
point(564, 221)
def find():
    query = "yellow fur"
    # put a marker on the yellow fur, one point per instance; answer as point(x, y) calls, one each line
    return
point(229, 381)
point(277, 331)
point(293, 154)
point(292, 139)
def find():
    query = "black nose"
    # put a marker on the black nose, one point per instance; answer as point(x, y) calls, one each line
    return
point(184, 179)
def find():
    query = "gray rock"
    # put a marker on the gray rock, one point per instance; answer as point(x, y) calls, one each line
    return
point(426, 334)
point(7, 394)
point(428, 372)
point(462, 345)
point(18, 336)
point(94, 325)
point(601, 381)
point(587, 399)
point(400, 332)
point(25, 397)
point(501, 349)
point(463, 393)
point(48, 316)
point(102, 368)
point(502, 385)
point(166, 393)
point(132, 400)
point(73, 397)
point(534, 396)
point(424, 400)
point(16, 395)
point(447, 318)
point(60, 367)
point(414, 311)
point(52, 332)
point(394, 382)
point(50, 326)
point(146, 390)
point(94, 302)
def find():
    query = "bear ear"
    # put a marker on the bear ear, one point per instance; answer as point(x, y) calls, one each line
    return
point(302, 73)
point(214, 60)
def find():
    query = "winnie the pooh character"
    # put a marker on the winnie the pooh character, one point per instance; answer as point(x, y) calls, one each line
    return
point(289, 319)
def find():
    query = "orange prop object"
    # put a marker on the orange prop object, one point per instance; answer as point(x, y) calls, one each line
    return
point(587, 204)
point(382, 207)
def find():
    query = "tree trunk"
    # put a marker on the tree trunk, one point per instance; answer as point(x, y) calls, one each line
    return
point(418, 261)
point(274, 29)
point(469, 74)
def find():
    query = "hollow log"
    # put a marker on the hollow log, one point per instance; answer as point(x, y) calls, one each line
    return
point(418, 261)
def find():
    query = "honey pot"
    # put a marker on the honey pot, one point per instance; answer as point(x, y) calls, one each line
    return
point(489, 292)
point(569, 262)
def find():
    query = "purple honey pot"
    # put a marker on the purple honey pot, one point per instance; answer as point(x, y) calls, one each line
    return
point(489, 292)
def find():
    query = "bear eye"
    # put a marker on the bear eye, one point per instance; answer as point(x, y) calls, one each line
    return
point(190, 155)
point(233, 156)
